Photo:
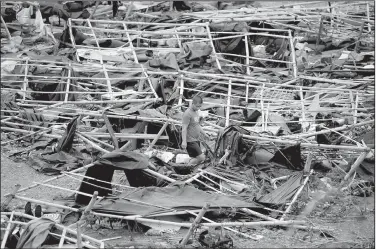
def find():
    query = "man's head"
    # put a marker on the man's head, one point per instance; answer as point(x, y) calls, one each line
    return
point(196, 103)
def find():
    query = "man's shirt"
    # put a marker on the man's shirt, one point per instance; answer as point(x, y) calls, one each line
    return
point(191, 119)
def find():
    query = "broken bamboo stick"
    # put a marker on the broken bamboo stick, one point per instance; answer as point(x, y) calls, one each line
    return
point(228, 104)
point(157, 136)
point(356, 164)
point(293, 55)
point(110, 131)
point(6, 28)
point(195, 224)
point(296, 196)
point(223, 224)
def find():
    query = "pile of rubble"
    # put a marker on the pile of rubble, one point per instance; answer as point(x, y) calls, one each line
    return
point(88, 89)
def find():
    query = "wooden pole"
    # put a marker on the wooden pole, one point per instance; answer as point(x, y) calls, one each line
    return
point(6, 28)
point(25, 84)
point(157, 136)
point(223, 224)
point(303, 110)
point(247, 54)
point(87, 210)
point(61, 242)
point(356, 164)
point(181, 91)
point(293, 55)
point(228, 104)
point(227, 228)
point(9, 198)
point(296, 196)
point(7, 231)
point(319, 34)
point(356, 108)
point(68, 83)
point(92, 144)
point(110, 131)
point(195, 224)
point(213, 47)
point(368, 18)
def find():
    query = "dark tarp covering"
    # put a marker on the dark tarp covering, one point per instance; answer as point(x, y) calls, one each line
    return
point(131, 162)
point(179, 197)
point(35, 233)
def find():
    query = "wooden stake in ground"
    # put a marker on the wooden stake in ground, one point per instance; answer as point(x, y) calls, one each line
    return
point(194, 224)
point(9, 198)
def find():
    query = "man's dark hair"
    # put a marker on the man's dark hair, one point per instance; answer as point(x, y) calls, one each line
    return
point(197, 99)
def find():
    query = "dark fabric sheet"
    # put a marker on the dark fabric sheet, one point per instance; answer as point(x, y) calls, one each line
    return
point(179, 197)
point(131, 162)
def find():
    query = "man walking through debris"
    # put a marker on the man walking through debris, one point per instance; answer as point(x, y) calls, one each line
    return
point(192, 132)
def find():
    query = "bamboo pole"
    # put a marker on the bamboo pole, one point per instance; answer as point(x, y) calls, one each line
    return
point(25, 84)
point(96, 101)
point(222, 178)
point(296, 196)
point(68, 84)
point(46, 203)
point(309, 145)
point(356, 108)
point(6, 28)
point(61, 242)
point(227, 228)
point(247, 61)
point(223, 224)
point(29, 132)
point(7, 231)
point(9, 198)
point(356, 164)
point(96, 140)
point(157, 136)
point(303, 110)
point(110, 131)
point(181, 91)
point(293, 55)
point(228, 104)
point(137, 62)
point(72, 37)
point(320, 30)
point(213, 47)
point(195, 224)
point(368, 18)
point(262, 108)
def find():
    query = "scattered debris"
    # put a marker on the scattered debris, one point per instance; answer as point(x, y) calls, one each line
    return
point(89, 89)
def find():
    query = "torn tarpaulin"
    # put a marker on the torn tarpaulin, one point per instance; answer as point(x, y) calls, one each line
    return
point(179, 197)
point(35, 233)
point(131, 162)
